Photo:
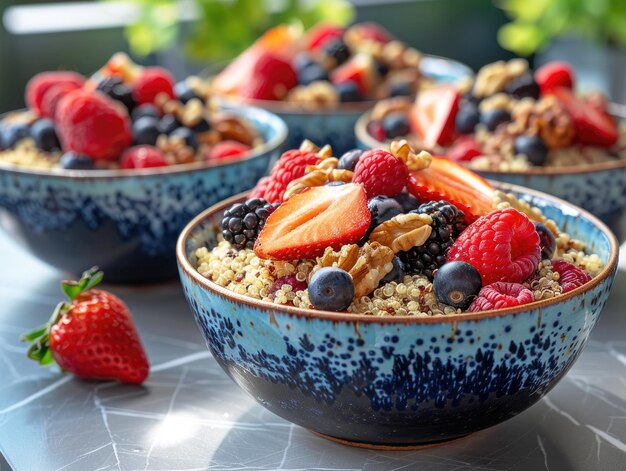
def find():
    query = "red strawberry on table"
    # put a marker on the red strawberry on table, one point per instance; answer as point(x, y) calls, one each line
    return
point(308, 222)
point(91, 335)
point(432, 115)
point(38, 86)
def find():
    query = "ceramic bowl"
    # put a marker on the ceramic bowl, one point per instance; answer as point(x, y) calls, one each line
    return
point(336, 126)
point(398, 381)
point(125, 221)
point(599, 188)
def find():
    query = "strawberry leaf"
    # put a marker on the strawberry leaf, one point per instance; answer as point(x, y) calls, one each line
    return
point(88, 280)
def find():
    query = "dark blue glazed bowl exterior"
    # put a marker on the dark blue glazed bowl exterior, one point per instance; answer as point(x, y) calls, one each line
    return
point(125, 221)
point(336, 126)
point(387, 382)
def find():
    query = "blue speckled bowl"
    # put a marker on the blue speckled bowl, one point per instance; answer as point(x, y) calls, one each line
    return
point(404, 381)
point(336, 126)
point(598, 188)
point(124, 221)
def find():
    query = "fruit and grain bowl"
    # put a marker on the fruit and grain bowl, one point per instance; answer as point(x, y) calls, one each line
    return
point(108, 170)
point(392, 299)
point(322, 81)
point(518, 126)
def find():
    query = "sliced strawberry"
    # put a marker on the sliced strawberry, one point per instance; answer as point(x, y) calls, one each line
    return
point(593, 127)
point(464, 149)
point(371, 32)
point(52, 97)
point(447, 180)
point(432, 115)
point(360, 69)
point(320, 34)
point(554, 74)
point(271, 78)
point(308, 222)
point(37, 86)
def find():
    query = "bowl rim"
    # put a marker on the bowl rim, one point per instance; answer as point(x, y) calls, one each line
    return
point(244, 111)
point(617, 110)
point(348, 108)
point(270, 308)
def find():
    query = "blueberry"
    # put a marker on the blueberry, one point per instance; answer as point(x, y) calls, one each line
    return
point(147, 109)
point(331, 289)
point(302, 60)
point(533, 148)
point(187, 135)
point(493, 118)
point(338, 50)
point(168, 124)
point(312, 73)
point(523, 86)
point(124, 95)
point(184, 92)
point(396, 274)
point(469, 97)
point(45, 136)
point(348, 91)
point(145, 131)
point(400, 88)
point(407, 201)
point(14, 133)
point(467, 118)
point(383, 208)
point(547, 242)
point(457, 284)
point(395, 125)
point(381, 68)
point(201, 126)
point(74, 161)
point(349, 160)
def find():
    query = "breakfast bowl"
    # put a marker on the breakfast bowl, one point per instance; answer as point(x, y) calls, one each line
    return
point(395, 382)
point(126, 221)
point(554, 141)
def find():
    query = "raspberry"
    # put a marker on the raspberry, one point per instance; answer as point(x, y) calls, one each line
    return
point(226, 149)
point(152, 82)
point(501, 295)
point(259, 190)
point(290, 166)
point(380, 173)
point(41, 83)
point(142, 157)
point(53, 96)
point(89, 123)
point(502, 245)
point(570, 276)
point(270, 79)
point(291, 280)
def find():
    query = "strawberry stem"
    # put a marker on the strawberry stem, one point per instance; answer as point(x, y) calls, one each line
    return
point(40, 336)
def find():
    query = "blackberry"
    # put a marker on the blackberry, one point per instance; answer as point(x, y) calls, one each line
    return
point(447, 225)
point(242, 222)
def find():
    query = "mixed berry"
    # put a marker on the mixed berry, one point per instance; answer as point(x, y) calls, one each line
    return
point(124, 116)
point(326, 66)
point(389, 232)
point(508, 118)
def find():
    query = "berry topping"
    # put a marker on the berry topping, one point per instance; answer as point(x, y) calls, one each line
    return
point(448, 222)
point(547, 242)
point(91, 335)
point(186, 136)
point(142, 157)
point(114, 88)
point(168, 124)
point(312, 73)
point(348, 91)
point(523, 86)
point(91, 124)
point(145, 110)
point(553, 75)
point(593, 126)
point(396, 274)
point(45, 136)
point(321, 34)
point(383, 208)
point(291, 280)
point(261, 186)
point(331, 289)
point(570, 276)
point(467, 118)
point(242, 222)
point(73, 161)
point(337, 50)
point(447, 180)
point(396, 125)
point(184, 93)
point(503, 246)
point(464, 149)
point(152, 82)
point(494, 118)
point(271, 78)
point(380, 173)
point(308, 222)
point(376, 130)
point(41, 83)
point(349, 159)
point(145, 131)
point(407, 201)
point(227, 149)
point(533, 148)
point(14, 133)
point(433, 115)
point(457, 284)
point(359, 69)
point(501, 295)
point(53, 97)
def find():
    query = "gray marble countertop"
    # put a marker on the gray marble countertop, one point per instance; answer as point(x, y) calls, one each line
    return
point(190, 416)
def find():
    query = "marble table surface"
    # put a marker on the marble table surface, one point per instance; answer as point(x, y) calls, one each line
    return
point(190, 416)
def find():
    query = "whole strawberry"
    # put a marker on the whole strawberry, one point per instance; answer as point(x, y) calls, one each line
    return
point(92, 335)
